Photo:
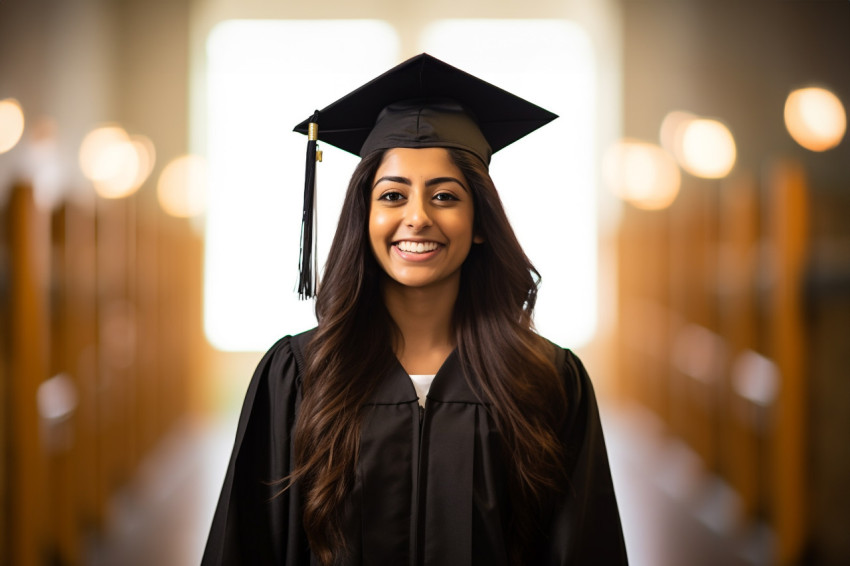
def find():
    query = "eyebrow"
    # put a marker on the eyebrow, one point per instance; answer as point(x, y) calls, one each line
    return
point(428, 183)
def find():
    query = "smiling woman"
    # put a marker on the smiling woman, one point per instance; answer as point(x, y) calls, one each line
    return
point(338, 459)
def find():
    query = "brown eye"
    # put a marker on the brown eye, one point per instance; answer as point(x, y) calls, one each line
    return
point(391, 196)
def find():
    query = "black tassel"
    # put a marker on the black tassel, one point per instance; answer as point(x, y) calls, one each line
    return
point(307, 278)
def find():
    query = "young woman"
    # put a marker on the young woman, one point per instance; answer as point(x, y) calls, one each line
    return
point(423, 421)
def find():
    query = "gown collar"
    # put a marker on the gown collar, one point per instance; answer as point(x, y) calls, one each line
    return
point(449, 386)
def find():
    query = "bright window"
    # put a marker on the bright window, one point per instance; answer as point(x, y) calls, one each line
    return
point(263, 77)
point(547, 181)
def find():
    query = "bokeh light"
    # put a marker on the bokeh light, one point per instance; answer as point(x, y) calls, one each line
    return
point(815, 118)
point(116, 164)
point(93, 165)
point(146, 153)
point(182, 186)
point(672, 128)
point(641, 173)
point(707, 148)
point(11, 124)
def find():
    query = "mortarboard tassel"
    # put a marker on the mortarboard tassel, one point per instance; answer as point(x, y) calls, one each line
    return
point(307, 278)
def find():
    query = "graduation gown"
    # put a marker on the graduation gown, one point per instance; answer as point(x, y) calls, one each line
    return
point(429, 489)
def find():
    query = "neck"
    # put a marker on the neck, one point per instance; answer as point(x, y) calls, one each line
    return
point(423, 316)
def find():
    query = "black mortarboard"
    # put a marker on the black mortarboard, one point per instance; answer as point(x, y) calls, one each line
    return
point(422, 102)
point(444, 99)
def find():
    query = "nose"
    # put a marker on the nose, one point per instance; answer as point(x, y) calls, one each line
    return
point(416, 214)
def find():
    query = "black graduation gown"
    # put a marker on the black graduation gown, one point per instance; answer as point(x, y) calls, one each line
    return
point(430, 492)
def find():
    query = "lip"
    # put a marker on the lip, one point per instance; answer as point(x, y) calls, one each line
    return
point(416, 257)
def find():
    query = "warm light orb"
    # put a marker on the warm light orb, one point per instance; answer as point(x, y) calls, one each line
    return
point(96, 142)
point(11, 124)
point(182, 186)
point(672, 128)
point(815, 118)
point(114, 162)
point(641, 173)
point(147, 157)
point(117, 170)
point(707, 148)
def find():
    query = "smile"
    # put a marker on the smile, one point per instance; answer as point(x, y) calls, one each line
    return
point(416, 247)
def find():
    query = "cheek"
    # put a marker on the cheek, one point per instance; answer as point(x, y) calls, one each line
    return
point(375, 222)
point(378, 226)
point(464, 226)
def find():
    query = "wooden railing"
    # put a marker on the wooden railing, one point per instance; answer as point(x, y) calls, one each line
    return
point(713, 339)
point(100, 322)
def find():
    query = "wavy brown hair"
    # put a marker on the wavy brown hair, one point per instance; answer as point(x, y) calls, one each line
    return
point(507, 362)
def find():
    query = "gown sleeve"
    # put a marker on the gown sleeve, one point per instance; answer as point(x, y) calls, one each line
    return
point(585, 527)
point(256, 521)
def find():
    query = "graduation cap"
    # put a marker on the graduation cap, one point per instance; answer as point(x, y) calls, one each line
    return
point(423, 102)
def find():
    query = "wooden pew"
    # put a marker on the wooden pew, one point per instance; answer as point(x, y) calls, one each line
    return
point(786, 232)
point(738, 261)
point(5, 401)
point(28, 328)
point(694, 373)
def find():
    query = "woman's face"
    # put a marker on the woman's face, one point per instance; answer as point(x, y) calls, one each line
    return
point(420, 217)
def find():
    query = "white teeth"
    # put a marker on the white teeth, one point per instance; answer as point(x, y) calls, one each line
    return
point(417, 247)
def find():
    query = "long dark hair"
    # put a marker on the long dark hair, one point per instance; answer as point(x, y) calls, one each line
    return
point(508, 363)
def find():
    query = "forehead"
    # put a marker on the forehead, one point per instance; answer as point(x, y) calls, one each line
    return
point(417, 161)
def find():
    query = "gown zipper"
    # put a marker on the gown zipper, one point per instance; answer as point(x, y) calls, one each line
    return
point(414, 558)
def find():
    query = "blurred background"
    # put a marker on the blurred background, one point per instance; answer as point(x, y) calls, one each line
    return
point(689, 212)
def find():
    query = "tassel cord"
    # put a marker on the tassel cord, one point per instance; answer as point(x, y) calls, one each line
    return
point(307, 279)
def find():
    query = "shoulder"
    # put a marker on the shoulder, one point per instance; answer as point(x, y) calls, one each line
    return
point(570, 367)
point(297, 345)
point(576, 381)
point(287, 350)
point(575, 375)
point(279, 372)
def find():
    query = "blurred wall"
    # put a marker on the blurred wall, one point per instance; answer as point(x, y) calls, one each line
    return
point(755, 263)
point(100, 302)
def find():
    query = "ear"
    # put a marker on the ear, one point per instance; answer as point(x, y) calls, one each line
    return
point(476, 239)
